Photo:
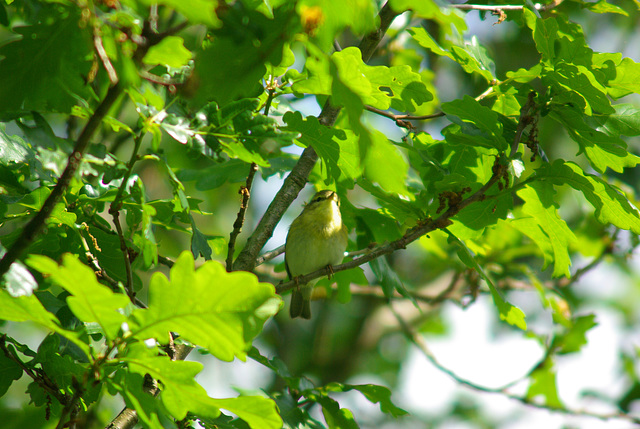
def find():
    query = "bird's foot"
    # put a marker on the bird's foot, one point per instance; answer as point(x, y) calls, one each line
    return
point(331, 273)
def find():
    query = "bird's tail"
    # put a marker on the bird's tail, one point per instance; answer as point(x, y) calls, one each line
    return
point(300, 306)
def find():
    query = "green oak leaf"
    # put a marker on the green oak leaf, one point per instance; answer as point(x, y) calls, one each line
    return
point(604, 149)
point(10, 371)
point(545, 33)
point(29, 308)
point(470, 55)
point(385, 165)
point(374, 393)
point(170, 51)
point(541, 211)
point(611, 205)
point(326, 19)
point(219, 311)
point(543, 383)
point(90, 301)
point(45, 69)
point(479, 122)
point(576, 336)
point(180, 393)
point(601, 6)
point(337, 148)
point(258, 412)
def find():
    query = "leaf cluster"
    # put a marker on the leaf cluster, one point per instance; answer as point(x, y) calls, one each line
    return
point(127, 127)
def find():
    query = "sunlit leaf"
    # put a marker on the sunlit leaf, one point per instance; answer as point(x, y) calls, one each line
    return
point(220, 311)
point(374, 393)
point(543, 211)
point(543, 383)
point(611, 206)
point(338, 148)
point(180, 391)
point(257, 411)
point(90, 300)
point(28, 308)
point(170, 51)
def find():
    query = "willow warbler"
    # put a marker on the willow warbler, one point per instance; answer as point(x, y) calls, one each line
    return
point(316, 239)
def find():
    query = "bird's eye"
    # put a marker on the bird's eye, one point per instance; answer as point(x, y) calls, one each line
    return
point(317, 200)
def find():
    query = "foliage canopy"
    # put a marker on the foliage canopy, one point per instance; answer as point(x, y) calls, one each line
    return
point(473, 160)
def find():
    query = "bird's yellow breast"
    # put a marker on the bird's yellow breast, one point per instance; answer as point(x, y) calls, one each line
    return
point(317, 238)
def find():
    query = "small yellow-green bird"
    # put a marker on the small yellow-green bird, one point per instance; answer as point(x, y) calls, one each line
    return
point(316, 239)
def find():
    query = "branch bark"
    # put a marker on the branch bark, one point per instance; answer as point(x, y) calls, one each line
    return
point(297, 179)
point(499, 7)
point(428, 225)
point(114, 210)
point(34, 226)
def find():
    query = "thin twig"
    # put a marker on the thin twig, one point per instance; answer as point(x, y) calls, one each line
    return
point(495, 8)
point(400, 119)
point(33, 227)
point(153, 18)
point(165, 261)
point(114, 210)
point(377, 292)
point(419, 342)
point(269, 255)
point(161, 259)
point(92, 261)
point(40, 378)
point(297, 179)
point(160, 80)
point(106, 62)
point(580, 272)
point(426, 226)
point(101, 273)
point(125, 253)
point(526, 118)
point(71, 407)
point(245, 191)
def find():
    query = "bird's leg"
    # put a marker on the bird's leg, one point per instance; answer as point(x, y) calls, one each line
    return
point(331, 273)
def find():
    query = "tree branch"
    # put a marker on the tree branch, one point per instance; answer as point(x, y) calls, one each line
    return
point(271, 87)
point(92, 261)
point(426, 226)
point(39, 377)
point(419, 342)
point(400, 119)
point(499, 7)
point(102, 54)
point(245, 191)
point(297, 179)
point(114, 210)
point(34, 226)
